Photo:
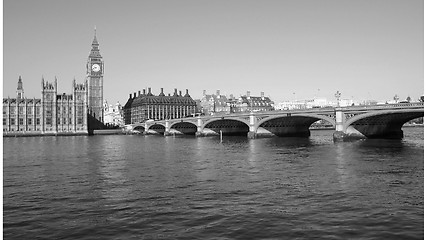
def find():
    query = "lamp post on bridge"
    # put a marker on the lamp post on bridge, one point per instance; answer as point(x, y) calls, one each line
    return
point(338, 96)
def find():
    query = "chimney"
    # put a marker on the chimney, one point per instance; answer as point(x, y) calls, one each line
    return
point(149, 92)
point(175, 92)
point(143, 92)
point(134, 94)
point(262, 95)
point(161, 93)
point(130, 95)
point(139, 93)
point(186, 93)
point(180, 93)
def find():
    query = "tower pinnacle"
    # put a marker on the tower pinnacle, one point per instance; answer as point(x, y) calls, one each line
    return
point(95, 41)
point(20, 89)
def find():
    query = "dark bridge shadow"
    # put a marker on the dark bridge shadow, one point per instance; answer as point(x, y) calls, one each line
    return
point(293, 126)
point(185, 128)
point(386, 126)
point(229, 127)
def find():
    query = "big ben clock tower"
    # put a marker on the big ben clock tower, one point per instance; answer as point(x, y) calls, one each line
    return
point(95, 78)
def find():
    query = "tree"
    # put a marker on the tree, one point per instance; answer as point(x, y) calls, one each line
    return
point(396, 98)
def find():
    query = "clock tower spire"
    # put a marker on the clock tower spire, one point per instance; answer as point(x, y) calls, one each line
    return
point(95, 78)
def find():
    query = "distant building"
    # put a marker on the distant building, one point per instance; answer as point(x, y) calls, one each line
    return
point(145, 106)
point(219, 104)
point(113, 115)
point(248, 103)
point(214, 103)
point(290, 105)
point(312, 103)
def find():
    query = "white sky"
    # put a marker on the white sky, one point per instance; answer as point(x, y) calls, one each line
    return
point(365, 49)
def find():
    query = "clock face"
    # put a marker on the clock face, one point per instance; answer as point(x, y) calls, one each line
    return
point(96, 67)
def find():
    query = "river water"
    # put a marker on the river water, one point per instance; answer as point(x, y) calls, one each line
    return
point(151, 187)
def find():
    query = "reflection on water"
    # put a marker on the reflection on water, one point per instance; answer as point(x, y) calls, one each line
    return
point(342, 163)
point(134, 187)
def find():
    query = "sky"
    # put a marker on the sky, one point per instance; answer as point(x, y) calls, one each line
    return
point(288, 49)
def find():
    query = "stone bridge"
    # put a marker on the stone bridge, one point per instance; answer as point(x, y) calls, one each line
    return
point(379, 121)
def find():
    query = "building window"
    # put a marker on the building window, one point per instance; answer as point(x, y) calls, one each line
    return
point(12, 110)
point(48, 121)
point(30, 110)
point(21, 121)
point(4, 110)
point(12, 121)
point(38, 110)
point(29, 121)
point(4, 122)
point(79, 120)
point(38, 121)
point(21, 110)
point(80, 111)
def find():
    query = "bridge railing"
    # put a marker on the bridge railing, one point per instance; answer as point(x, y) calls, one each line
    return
point(387, 106)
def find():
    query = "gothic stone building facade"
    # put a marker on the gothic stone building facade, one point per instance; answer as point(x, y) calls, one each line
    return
point(57, 114)
point(146, 106)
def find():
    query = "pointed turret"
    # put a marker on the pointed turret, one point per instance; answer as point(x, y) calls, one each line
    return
point(20, 89)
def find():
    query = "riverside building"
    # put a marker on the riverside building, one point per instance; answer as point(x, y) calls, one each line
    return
point(51, 114)
point(146, 106)
point(58, 113)
point(212, 104)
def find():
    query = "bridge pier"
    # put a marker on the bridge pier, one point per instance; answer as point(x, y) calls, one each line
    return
point(340, 136)
point(344, 134)
point(252, 135)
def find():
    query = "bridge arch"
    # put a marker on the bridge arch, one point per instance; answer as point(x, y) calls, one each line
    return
point(245, 121)
point(315, 117)
point(156, 128)
point(139, 128)
point(382, 123)
point(289, 125)
point(184, 127)
point(228, 126)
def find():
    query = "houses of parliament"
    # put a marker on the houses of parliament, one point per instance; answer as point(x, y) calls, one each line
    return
point(58, 114)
